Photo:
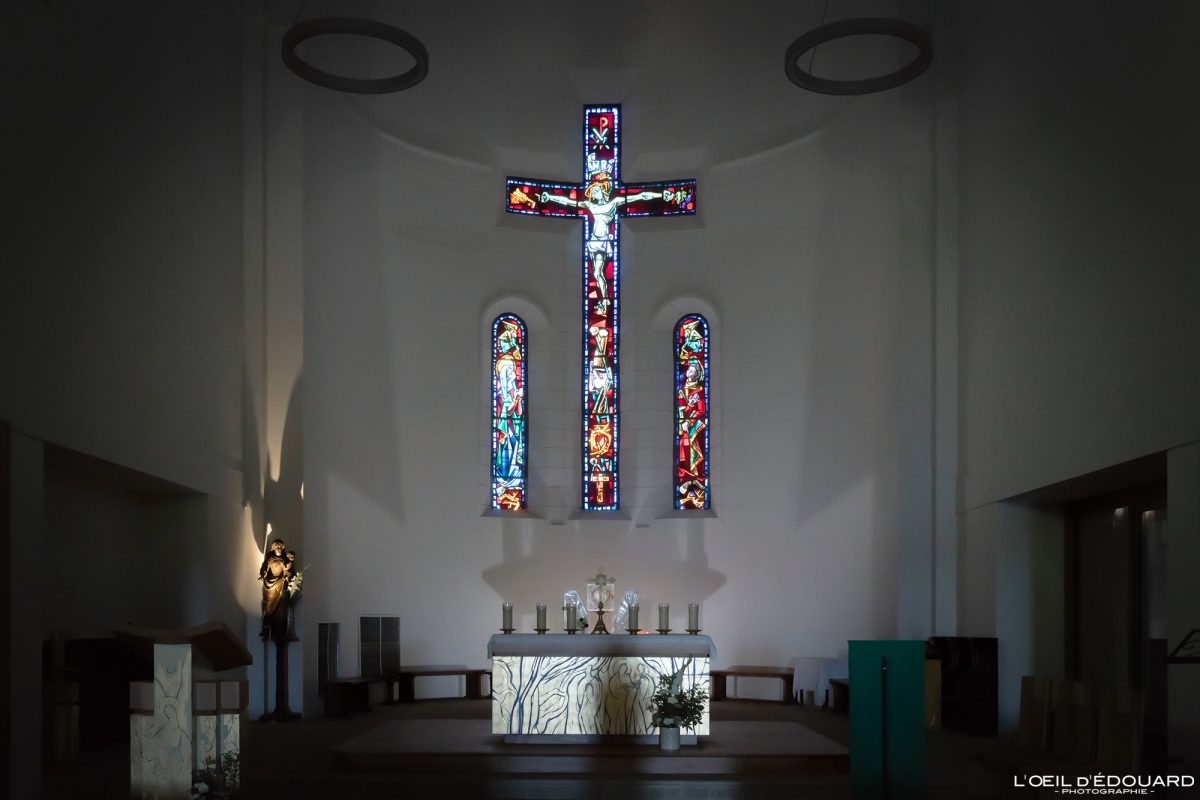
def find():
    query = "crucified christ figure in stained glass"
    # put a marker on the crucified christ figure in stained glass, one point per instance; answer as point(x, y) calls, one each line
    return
point(600, 200)
point(602, 207)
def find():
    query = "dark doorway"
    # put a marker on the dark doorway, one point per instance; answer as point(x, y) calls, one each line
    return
point(1115, 578)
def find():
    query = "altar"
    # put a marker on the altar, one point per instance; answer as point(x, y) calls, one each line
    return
point(586, 685)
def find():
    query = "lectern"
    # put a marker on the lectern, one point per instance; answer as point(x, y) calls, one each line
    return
point(186, 715)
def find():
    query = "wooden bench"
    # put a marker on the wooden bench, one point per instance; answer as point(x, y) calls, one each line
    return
point(786, 674)
point(406, 679)
point(346, 696)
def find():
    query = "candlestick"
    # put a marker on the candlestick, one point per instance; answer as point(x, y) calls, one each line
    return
point(693, 618)
point(506, 616)
point(632, 622)
point(664, 618)
point(541, 618)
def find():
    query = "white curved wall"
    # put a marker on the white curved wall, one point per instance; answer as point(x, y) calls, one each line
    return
point(817, 255)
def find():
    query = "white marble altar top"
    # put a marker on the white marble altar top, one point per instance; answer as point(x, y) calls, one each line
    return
point(590, 645)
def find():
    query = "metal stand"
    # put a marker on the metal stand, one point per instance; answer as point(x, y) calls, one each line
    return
point(600, 627)
point(663, 631)
point(507, 630)
point(266, 662)
point(281, 713)
point(693, 631)
point(634, 631)
point(541, 631)
point(883, 678)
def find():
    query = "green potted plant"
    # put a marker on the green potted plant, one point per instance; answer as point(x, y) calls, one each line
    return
point(218, 780)
point(675, 707)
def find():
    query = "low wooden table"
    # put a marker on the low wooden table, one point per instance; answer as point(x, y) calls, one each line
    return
point(406, 679)
point(786, 674)
point(345, 696)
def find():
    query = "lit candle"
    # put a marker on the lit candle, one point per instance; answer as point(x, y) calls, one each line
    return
point(506, 610)
point(633, 616)
point(664, 616)
point(694, 616)
point(572, 617)
point(541, 616)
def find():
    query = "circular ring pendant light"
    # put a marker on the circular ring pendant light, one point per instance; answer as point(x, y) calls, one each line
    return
point(312, 28)
point(895, 28)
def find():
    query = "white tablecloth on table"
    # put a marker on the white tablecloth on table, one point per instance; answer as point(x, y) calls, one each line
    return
point(813, 675)
point(805, 677)
point(830, 668)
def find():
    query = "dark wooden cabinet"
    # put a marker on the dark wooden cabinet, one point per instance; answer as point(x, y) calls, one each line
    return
point(970, 683)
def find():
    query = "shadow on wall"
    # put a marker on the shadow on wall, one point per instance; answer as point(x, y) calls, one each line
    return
point(276, 504)
point(275, 501)
point(659, 572)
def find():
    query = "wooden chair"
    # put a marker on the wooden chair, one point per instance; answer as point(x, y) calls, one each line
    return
point(990, 773)
point(1119, 732)
point(1109, 737)
point(1073, 723)
point(1034, 721)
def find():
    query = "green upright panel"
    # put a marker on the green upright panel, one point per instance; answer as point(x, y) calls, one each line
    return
point(887, 682)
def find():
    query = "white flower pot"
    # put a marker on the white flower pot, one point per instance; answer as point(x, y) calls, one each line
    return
point(668, 739)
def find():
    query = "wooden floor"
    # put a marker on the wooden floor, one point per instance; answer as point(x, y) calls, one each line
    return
point(300, 760)
point(456, 745)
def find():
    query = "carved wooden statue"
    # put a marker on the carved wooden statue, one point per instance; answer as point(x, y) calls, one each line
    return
point(275, 573)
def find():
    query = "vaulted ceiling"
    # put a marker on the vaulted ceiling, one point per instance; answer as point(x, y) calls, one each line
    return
point(702, 82)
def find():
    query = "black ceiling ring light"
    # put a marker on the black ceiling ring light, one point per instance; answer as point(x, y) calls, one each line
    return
point(309, 29)
point(879, 26)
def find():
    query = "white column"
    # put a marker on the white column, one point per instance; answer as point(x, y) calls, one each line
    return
point(273, 280)
point(945, 340)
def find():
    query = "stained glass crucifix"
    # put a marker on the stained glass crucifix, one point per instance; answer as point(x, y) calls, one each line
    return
point(600, 199)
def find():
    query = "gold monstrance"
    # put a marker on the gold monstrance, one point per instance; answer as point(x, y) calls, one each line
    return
point(600, 590)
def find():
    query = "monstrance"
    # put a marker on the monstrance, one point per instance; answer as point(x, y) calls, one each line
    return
point(600, 590)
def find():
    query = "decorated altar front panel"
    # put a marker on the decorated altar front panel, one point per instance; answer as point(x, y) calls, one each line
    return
point(588, 685)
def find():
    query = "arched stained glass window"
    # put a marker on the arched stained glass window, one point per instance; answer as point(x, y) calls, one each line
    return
point(510, 441)
point(691, 413)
